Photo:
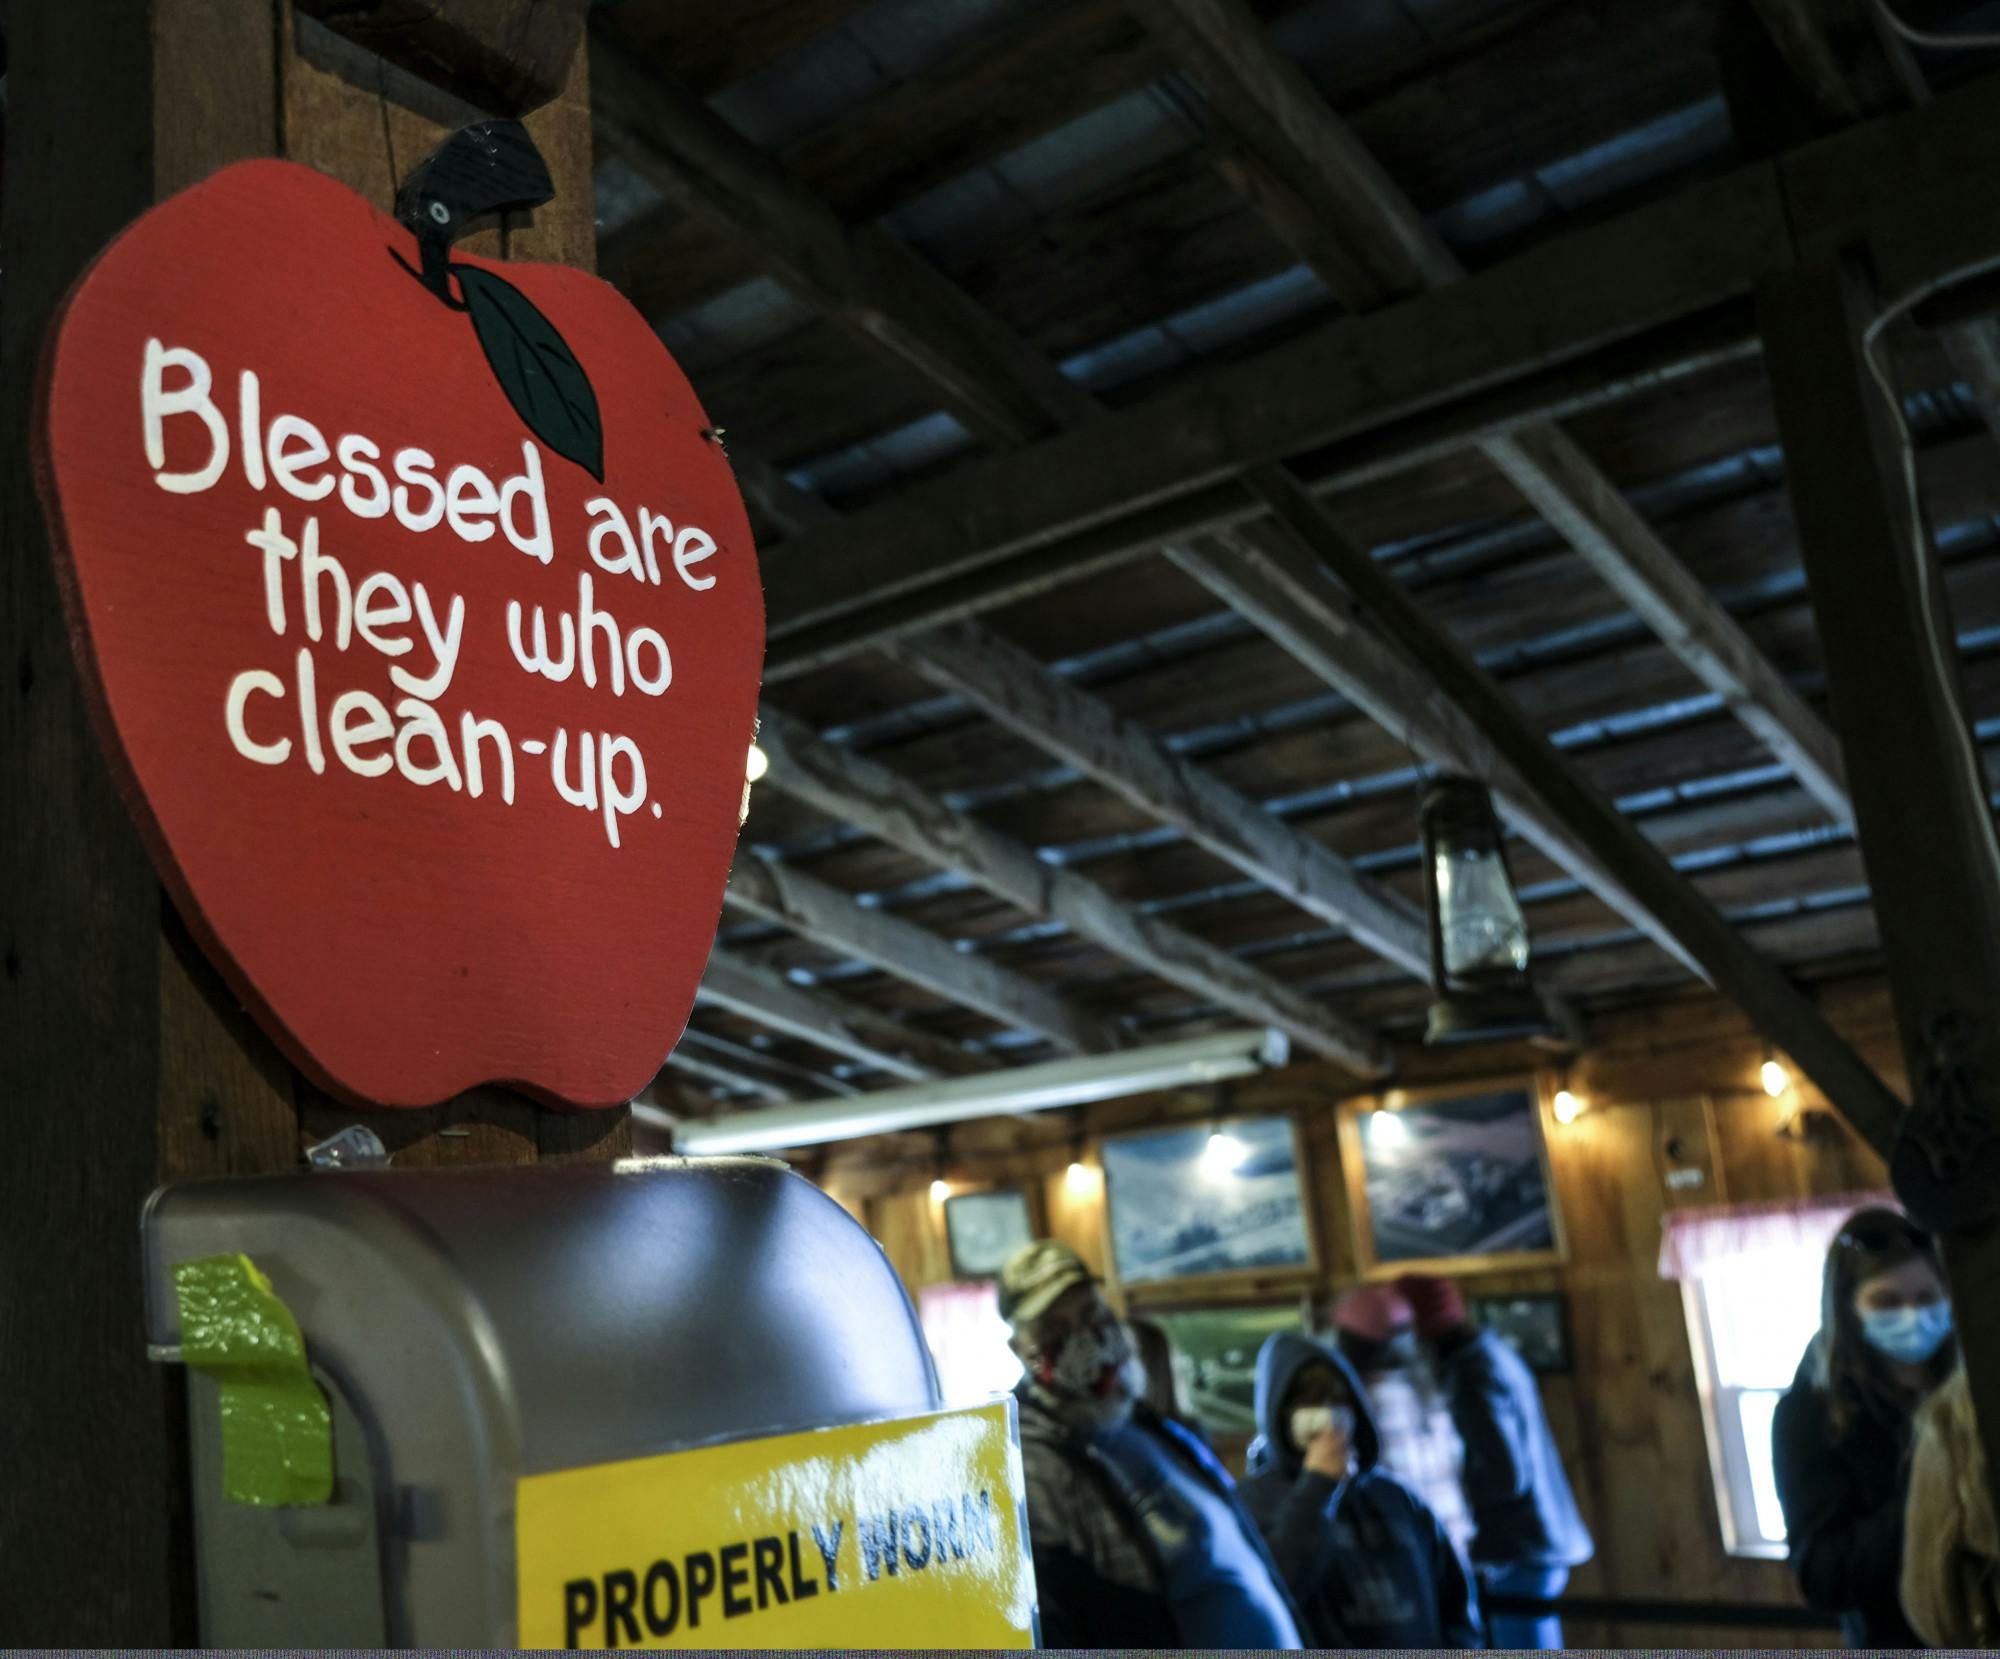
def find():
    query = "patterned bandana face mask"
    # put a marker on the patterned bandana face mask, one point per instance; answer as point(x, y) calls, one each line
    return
point(1091, 1362)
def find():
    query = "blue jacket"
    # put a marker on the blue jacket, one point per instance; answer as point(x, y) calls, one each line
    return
point(1364, 1557)
point(1523, 1512)
point(1096, 1538)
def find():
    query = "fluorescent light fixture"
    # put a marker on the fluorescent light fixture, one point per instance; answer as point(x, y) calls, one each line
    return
point(1194, 1060)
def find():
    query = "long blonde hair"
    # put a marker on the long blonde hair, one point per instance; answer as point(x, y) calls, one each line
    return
point(1948, 1415)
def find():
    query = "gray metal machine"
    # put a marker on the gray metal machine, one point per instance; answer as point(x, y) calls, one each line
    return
point(473, 1327)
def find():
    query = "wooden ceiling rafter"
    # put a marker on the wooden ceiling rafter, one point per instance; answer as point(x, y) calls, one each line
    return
point(775, 1076)
point(1039, 401)
point(807, 906)
point(874, 798)
point(1170, 464)
point(1004, 389)
point(699, 157)
point(828, 1022)
point(1008, 392)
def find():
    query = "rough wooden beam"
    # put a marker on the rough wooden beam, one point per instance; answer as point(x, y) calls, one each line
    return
point(864, 276)
point(1370, 240)
point(717, 1074)
point(1569, 490)
point(504, 56)
point(869, 795)
point(748, 193)
point(815, 1015)
point(1852, 65)
point(1701, 249)
point(798, 1082)
point(1031, 699)
point(1920, 792)
point(809, 907)
point(1267, 100)
point(1274, 583)
point(1777, 1006)
point(1714, 340)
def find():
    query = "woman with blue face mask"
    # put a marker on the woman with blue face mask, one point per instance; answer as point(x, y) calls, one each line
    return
point(1841, 1436)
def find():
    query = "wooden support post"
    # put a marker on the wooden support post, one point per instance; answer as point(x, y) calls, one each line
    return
point(1920, 791)
point(124, 1060)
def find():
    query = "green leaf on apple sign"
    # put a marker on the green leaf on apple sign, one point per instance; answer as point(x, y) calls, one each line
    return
point(535, 368)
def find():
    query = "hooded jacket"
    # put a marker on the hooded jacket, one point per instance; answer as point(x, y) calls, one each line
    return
point(1099, 1571)
point(1523, 1512)
point(1366, 1560)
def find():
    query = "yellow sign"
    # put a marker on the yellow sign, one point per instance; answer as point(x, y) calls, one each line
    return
point(900, 1534)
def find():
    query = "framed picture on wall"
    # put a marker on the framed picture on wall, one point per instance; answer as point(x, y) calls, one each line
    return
point(1536, 1327)
point(983, 1229)
point(1451, 1183)
point(1215, 1358)
point(1204, 1201)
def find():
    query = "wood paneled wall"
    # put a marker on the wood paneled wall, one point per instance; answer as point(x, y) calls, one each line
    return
point(1673, 1088)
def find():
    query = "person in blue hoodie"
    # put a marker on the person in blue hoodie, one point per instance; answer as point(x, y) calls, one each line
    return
point(1527, 1532)
point(1364, 1557)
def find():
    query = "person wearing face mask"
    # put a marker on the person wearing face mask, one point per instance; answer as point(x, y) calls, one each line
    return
point(1527, 1532)
point(1375, 1329)
point(1138, 1536)
point(1841, 1435)
point(1368, 1562)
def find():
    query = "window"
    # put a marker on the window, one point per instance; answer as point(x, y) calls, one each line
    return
point(968, 1341)
point(1750, 1281)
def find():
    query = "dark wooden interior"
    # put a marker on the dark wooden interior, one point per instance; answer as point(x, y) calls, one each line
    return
point(1089, 200)
point(1174, 430)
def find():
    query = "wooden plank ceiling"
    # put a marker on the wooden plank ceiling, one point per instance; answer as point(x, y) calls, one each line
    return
point(890, 239)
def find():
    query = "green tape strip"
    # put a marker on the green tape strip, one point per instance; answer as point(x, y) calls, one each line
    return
point(277, 1436)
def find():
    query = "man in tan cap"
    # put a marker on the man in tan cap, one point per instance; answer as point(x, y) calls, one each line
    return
point(1139, 1538)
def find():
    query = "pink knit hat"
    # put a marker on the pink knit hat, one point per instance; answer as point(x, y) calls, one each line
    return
point(1373, 1312)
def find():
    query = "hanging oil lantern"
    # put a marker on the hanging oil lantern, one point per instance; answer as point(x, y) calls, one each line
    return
point(1479, 937)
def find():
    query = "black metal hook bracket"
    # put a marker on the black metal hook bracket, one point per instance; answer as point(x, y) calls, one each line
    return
point(489, 167)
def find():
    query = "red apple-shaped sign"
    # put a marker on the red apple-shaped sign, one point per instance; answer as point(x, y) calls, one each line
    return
point(419, 614)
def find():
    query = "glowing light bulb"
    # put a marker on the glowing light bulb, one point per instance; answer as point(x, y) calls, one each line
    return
point(1077, 1178)
point(1776, 1079)
point(1387, 1132)
point(1567, 1107)
point(940, 1190)
point(758, 764)
point(1223, 1154)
